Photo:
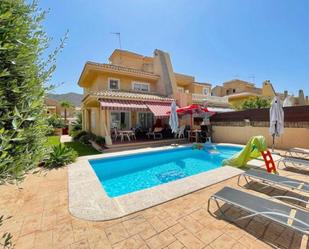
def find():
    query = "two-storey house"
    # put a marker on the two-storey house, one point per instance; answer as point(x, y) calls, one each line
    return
point(133, 90)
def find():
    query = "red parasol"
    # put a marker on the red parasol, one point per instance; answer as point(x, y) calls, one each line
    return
point(192, 109)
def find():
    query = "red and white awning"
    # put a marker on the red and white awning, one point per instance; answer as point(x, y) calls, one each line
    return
point(124, 105)
point(159, 109)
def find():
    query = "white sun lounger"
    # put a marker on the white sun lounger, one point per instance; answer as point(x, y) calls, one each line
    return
point(299, 152)
point(294, 162)
point(288, 216)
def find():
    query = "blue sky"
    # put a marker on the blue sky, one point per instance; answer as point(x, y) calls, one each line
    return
point(213, 40)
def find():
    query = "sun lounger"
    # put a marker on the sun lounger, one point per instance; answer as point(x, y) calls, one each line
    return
point(296, 162)
point(285, 215)
point(275, 180)
point(298, 152)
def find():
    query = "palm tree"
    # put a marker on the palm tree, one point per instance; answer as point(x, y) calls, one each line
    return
point(66, 105)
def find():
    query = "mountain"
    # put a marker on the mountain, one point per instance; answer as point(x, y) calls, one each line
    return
point(74, 98)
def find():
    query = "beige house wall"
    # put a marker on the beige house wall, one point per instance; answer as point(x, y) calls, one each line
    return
point(292, 137)
point(100, 83)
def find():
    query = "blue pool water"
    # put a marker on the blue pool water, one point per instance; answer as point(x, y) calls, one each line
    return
point(125, 174)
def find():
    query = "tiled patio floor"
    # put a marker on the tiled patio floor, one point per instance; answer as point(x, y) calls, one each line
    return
point(40, 219)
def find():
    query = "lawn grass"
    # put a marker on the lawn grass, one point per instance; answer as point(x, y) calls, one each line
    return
point(82, 149)
point(53, 140)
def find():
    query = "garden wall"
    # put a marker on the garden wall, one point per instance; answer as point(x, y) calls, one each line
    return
point(238, 127)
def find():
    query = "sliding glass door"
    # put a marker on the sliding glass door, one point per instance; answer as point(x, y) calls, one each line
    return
point(121, 120)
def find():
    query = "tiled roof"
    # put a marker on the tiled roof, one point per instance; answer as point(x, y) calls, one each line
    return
point(122, 69)
point(130, 95)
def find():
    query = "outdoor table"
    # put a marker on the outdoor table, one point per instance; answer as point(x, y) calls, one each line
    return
point(125, 133)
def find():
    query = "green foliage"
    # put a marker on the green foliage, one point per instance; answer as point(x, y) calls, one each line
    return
point(6, 238)
point(60, 155)
point(23, 74)
point(85, 138)
point(100, 140)
point(66, 104)
point(82, 149)
point(55, 121)
point(53, 140)
point(254, 103)
point(77, 124)
point(76, 136)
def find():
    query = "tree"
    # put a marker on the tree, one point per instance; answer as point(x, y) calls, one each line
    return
point(23, 77)
point(253, 103)
point(66, 105)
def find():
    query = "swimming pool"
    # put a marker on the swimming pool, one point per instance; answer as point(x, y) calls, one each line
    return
point(121, 175)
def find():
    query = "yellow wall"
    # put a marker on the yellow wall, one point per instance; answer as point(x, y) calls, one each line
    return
point(101, 82)
point(292, 137)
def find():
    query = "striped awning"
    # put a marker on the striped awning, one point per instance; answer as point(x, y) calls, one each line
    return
point(159, 109)
point(125, 105)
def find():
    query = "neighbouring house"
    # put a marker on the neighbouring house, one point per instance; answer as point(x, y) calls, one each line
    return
point(133, 90)
point(54, 107)
point(236, 91)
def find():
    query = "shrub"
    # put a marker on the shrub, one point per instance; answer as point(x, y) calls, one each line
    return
point(60, 155)
point(85, 138)
point(77, 135)
point(23, 75)
point(55, 121)
point(100, 140)
point(77, 124)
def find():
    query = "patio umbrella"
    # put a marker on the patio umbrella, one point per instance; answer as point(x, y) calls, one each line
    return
point(276, 119)
point(194, 109)
point(173, 121)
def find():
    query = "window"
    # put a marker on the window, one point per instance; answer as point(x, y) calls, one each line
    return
point(140, 86)
point(145, 120)
point(180, 89)
point(113, 84)
point(120, 120)
point(206, 91)
point(234, 90)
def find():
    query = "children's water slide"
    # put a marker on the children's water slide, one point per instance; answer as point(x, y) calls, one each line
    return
point(255, 147)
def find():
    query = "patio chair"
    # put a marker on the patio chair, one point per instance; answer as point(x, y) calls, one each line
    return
point(156, 133)
point(117, 134)
point(132, 135)
point(294, 162)
point(280, 213)
point(275, 180)
point(181, 132)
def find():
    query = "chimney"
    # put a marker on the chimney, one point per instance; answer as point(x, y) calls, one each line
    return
point(285, 94)
point(301, 97)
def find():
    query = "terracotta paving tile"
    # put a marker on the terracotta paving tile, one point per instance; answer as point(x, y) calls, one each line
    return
point(43, 239)
point(25, 242)
point(238, 246)
point(48, 222)
point(189, 240)
point(161, 240)
point(223, 242)
point(31, 224)
point(176, 245)
point(234, 231)
point(134, 242)
point(62, 235)
point(208, 235)
point(191, 224)
point(158, 225)
point(176, 229)
point(116, 233)
point(83, 244)
point(97, 239)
